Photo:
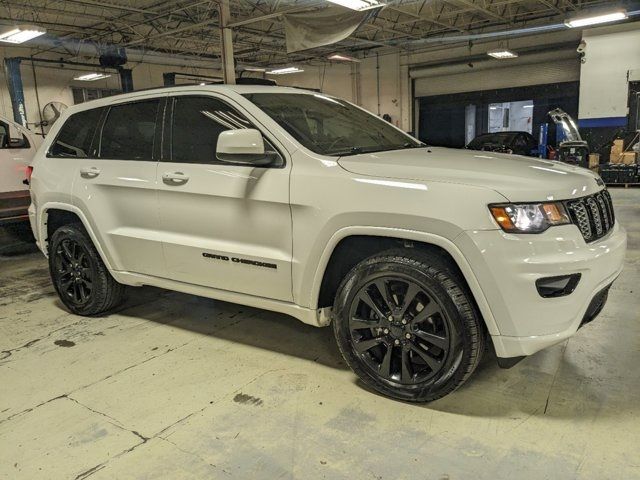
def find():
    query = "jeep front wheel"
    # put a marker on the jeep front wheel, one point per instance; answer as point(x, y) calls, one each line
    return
point(406, 325)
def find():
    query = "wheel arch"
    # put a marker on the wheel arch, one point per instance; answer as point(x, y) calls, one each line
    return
point(54, 215)
point(351, 245)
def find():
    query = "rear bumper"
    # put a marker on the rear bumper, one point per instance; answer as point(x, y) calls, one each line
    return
point(507, 267)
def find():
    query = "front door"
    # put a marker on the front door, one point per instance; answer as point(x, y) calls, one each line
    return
point(223, 226)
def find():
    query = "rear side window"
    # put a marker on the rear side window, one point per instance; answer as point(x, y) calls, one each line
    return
point(129, 131)
point(197, 123)
point(76, 135)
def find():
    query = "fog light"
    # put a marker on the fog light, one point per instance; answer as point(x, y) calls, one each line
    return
point(551, 287)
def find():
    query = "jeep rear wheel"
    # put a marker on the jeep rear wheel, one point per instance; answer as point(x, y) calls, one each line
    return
point(79, 276)
point(407, 326)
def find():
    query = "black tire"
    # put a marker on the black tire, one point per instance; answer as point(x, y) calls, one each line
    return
point(422, 353)
point(79, 276)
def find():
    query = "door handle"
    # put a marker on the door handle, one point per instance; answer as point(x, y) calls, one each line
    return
point(175, 178)
point(89, 172)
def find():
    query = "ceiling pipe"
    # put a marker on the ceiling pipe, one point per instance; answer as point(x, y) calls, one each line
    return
point(497, 34)
point(134, 55)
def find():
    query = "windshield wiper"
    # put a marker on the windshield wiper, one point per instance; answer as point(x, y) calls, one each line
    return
point(388, 148)
point(345, 153)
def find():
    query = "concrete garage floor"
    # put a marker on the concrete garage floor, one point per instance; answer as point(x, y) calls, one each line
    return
point(175, 386)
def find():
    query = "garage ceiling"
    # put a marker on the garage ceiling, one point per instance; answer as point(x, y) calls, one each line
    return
point(190, 27)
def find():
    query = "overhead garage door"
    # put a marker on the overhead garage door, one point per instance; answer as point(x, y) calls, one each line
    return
point(530, 69)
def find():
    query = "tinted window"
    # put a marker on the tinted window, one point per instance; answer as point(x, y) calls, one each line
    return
point(197, 123)
point(129, 131)
point(330, 126)
point(75, 136)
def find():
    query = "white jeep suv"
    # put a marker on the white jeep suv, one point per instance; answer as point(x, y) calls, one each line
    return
point(305, 204)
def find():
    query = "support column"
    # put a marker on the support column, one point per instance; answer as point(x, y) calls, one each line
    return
point(16, 92)
point(406, 94)
point(355, 83)
point(126, 80)
point(226, 41)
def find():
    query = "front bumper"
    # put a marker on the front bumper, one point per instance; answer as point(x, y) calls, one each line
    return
point(507, 266)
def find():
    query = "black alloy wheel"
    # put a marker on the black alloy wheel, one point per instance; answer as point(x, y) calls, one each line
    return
point(406, 323)
point(400, 330)
point(74, 272)
point(79, 275)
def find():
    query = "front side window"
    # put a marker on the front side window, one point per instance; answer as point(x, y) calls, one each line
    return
point(329, 126)
point(75, 137)
point(129, 131)
point(197, 123)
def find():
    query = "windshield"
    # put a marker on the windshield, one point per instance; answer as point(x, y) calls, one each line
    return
point(329, 126)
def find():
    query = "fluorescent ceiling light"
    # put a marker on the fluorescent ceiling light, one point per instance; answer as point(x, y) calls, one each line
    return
point(90, 77)
point(21, 34)
point(527, 106)
point(285, 70)
point(342, 58)
point(357, 4)
point(254, 69)
point(596, 19)
point(502, 53)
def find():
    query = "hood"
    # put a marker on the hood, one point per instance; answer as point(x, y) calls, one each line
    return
point(518, 178)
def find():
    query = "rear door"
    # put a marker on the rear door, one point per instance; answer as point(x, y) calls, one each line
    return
point(223, 226)
point(116, 185)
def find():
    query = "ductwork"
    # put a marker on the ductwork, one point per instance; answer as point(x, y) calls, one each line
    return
point(83, 50)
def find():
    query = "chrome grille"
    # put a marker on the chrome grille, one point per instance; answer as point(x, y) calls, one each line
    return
point(593, 215)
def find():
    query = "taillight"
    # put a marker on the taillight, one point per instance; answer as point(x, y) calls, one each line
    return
point(29, 172)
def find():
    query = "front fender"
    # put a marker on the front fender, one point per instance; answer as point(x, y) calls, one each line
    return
point(315, 280)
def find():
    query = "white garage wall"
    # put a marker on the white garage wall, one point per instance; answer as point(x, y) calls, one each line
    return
point(610, 53)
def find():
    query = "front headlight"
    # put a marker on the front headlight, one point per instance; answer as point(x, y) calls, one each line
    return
point(529, 217)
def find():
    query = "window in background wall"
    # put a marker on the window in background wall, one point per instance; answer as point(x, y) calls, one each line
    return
point(81, 95)
point(511, 117)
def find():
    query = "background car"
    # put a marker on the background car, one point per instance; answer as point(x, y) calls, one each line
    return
point(17, 147)
point(520, 143)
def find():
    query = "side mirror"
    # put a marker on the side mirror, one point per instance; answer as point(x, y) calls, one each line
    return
point(243, 147)
point(18, 143)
